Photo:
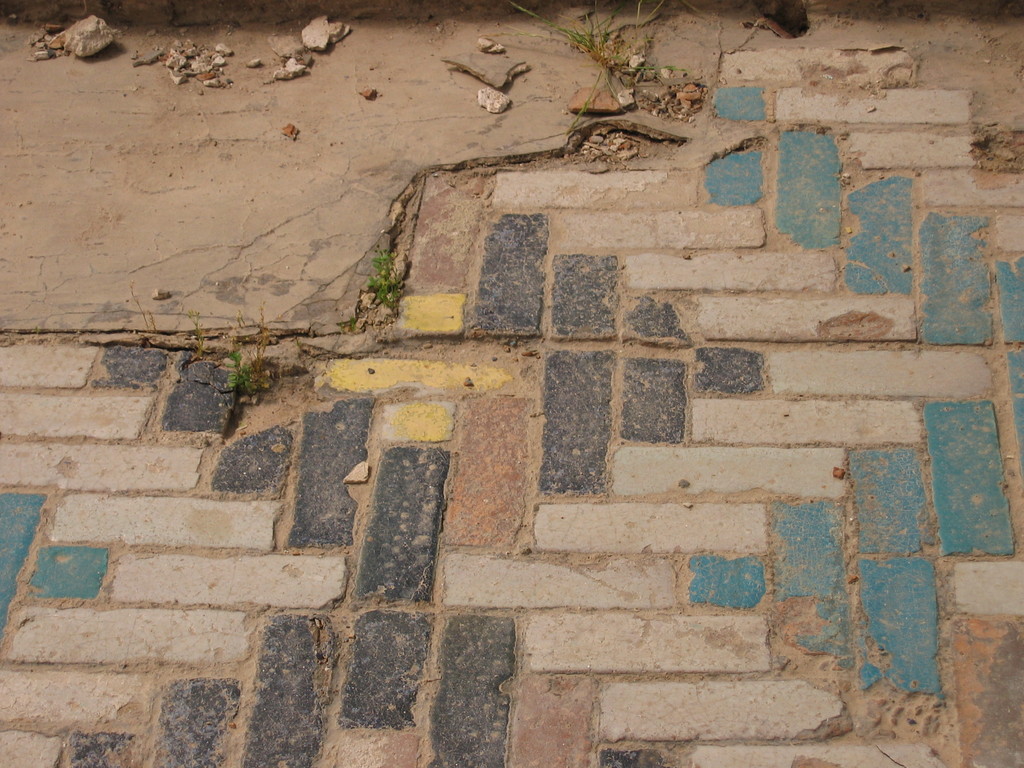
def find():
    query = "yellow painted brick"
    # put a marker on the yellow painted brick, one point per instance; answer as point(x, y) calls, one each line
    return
point(423, 422)
point(355, 376)
point(434, 313)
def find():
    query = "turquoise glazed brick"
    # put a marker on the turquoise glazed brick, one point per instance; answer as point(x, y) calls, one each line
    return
point(19, 517)
point(808, 189)
point(955, 281)
point(898, 597)
point(1018, 420)
point(735, 583)
point(1011, 298)
point(890, 500)
point(967, 479)
point(743, 103)
point(879, 256)
point(735, 179)
point(1015, 360)
point(69, 572)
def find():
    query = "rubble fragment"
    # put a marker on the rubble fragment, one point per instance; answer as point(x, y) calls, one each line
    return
point(493, 101)
point(487, 45)
point(370, 94)
point(494, 72)
point(149, 58)
point(286, 46)
point(187, 60)
point(254, 63)
point(87, 37)
point(321, 33)
point(594, 101)
point(290, 131)
point(292, 69)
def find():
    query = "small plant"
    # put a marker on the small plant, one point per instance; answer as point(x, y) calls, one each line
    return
point(350, 325)
point(247, 363)
point(147, 317)
point(386, 284)
point(200, 334)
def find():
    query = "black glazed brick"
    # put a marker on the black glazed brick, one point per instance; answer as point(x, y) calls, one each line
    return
point(653, 400)
point(201, 401)
point(729, 370)
point(511, 290)
point(633, 758)
point(102, 750)
point(653, 320)
point(194, 719)
point(254, 464)
point(132, 367)
point(584, 301)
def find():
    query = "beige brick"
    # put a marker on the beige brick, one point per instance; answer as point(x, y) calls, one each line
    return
point(482, 581)
point(989, 588)
point(1009, 233)
point(375, 749)
point(64, 697)
point(56, 366)
point(281, 581)
point(593, 232)
point(884, 755)
point(736, 271)
point(784, 66)
point(849, 318)
point(780, 422)
point(908, 106)
point(792, 471)
point(623, 642)
point(651, 528)
point(536, 190)
point(88, 636)
point(107, 417)
point(100, 467)
point(29, 750)
point(714, 711)
point(166, 521)
point(917, 373)
point(972, 188)
point(909, 149)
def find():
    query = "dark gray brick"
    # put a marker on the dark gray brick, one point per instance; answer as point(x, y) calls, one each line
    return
point(729, 370)
point(653, 400)
point(201, 401)
point(385, 671)
point(584, 301)
point(397, 561)
point(132, 367)
point(470, 714)
point(332, 443)
point(511, 291)
point(286, 728)
point(194, 720)
point(254, 464)
point(103, 750)
point(578, 417)
point(633, 758)
point(656, 321)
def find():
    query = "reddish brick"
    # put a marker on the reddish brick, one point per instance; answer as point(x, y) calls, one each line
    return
point(486, 505)
point(989, 661)
point(447, 229)
point(552, 722)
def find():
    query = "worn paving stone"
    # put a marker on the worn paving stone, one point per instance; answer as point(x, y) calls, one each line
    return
point(201, 401)
point(447, 228)
point(577, 426)
point(989, 588)
point(65, 697)
point(131, 368)
point(584, 300)
point(19, 517)
point(552, 722)
point(884, 755)
point(400, 548)
point(730, 583)
point(1010, 276)
point(75, 572)
point(535, 190)
point(1009, 232)
point(967, 187)
point(655, 320)
point(255, 464)
point(740, 103)
point(879, 257)
point(37, 366)
point(735, 179)
point(729, 370)
point(29, 750)
point(898, 596)
point(102, 750)
point(653, 400)
point(898, 105)
point(332, 443)
point(804, 66)
point(890, 501)
point(106, 417)
point(808, 189)
point(747, 270)
point(470, 715)
point(967, 478)
point(603, 231)
point(910, 149)
point(955, 281)
point(194, 720)
point(292, 682)
point(385, 671)
point(631, 758)
point(511, 290)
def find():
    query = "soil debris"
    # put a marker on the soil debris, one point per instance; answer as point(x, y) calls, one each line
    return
point(679, 102)
point(187, 60)
point(998, 149)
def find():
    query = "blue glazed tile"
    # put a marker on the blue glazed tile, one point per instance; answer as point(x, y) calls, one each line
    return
point(808, 189)
point(19, 517)
point(1018, 420)
point(1015, 360)
point(889, 495)
point(879, 256)
point(967, 478)
point(955, 281)
point(898, 596)
point(1011, 298)
point(743, 103)
point(735, 583)
point(735, 179)
point(69, 572)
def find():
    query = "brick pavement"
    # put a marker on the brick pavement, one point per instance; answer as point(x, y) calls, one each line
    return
point(667, 469)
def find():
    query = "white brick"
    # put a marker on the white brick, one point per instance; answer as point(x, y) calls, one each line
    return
point(29, 750)
point(60, 698)
point(714, 711)
point(1009, 233)
point(622, 642)
point(989, 588)
point(908, 106)
point(106, 417)
point(34, 366)
point(784, 66)
point(755, 271)
point(166, 521)
point(609, 231)
point(792, 471)
point(100, 467)
point(911, 150)
point(482, 581)
point(849, 318)
point(834, 756)
point(535, 190)
point(972, 188)
point(917, 373)
point(651, 528)
point(87, 636)
point(281, 581)
point(781, 422)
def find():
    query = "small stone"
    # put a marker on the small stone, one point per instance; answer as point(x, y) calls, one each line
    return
point(178, 78)
point(290, 131)
point(292, 69)
point(487, 45)
point(493, 101)
point(286, 46)
point(43, 55)
point(626, 99)
point(360, 474)
point(149, 58)
point(595, 102)
point(838, 473)
point(370, 94)
point(320, 33)
point(637, 60)
point(254, 63)
point(88, 37)
point(223, 50)
point(161, 295)
point(218, 61)
point(214, 82)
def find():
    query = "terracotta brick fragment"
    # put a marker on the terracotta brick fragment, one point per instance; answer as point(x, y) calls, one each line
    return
point(552, 722)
